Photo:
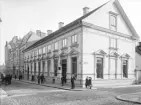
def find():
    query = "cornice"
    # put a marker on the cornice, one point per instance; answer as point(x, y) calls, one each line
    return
point(54, 35)
point(107, 30)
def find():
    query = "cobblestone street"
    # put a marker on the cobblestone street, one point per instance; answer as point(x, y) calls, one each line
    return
point(20, 93)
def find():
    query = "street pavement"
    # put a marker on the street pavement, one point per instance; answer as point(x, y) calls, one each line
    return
point(22, 93)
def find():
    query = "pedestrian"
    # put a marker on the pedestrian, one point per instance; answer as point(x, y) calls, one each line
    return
point(90, 82)
point(72, 81)
point(32, 78)
point(42, 78)
point(10, 78)
point(86, 81)
point(62, 80)
point(38, 79)
point(15, 77)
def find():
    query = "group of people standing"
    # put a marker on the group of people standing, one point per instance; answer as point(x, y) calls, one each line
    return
point(88, 82)
point(73, 78)
point(41, 79)
point(20, 77)
point(6, 79)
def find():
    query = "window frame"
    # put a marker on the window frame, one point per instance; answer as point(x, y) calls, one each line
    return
point(74, 38)
point(113, 17)
point(56, 47)
point(49, 48)
point(64, 42)
point(113, 44)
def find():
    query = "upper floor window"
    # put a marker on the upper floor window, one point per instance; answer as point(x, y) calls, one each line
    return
point(64, 42)
point(113, 21)
point(49, 48)
point(113, 43)
point(74, 39)
point(35, 53)
point(56, 46)
point(40, 51)
point(44, 50)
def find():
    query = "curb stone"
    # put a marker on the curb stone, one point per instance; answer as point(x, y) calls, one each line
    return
point(56, 86)
point(127, 100)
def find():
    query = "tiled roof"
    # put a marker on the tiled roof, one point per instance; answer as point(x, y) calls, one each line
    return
point(26, 37)
point(65, 27)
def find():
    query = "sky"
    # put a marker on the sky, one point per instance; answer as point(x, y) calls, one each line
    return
point(21, 16)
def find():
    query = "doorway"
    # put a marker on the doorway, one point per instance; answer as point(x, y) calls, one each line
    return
point(64, 67)
point(28, 73)
point(125, 68)
point(55, 66)
point(34, 69)
point(39, 67)
point(99, 67)
point(74, 65)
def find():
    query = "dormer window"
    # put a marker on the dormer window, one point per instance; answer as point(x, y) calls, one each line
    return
point(113, 21)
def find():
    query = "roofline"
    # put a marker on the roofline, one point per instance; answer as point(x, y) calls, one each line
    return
point(127, 21)
point(57, 33)
point(90, 25)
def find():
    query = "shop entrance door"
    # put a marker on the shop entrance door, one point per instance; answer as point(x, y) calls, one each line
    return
point(64, 67)
point(99, 69)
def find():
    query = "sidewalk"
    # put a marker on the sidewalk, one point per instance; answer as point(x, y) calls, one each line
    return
point(58, 86)
point(2, 93)
point(134, 97)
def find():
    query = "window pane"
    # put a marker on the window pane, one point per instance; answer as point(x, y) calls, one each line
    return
point(56, 45)
point(44, 50)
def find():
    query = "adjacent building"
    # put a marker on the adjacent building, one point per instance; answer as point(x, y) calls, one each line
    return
point(100, 44)
point(138, 63)
point(14, 48)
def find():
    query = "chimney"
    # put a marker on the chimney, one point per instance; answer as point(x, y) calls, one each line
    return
point(38, 32)
point(85, 10)
point(61, 24)
point(49, 32)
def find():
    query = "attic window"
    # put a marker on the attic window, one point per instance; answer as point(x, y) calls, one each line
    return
point(113, 21)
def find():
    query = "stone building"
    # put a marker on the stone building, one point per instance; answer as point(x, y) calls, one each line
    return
point(13, 50)
point(100, 44)
point(12, 55)
point(27, 40)
point(138, 63)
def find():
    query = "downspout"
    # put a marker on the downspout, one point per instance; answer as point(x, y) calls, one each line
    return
point(81, 81)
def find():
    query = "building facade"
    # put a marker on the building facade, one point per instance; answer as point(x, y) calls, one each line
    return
point(13, 51)
point(12, 55)
point(100, 44)
point(138, 63)
point(27, 40)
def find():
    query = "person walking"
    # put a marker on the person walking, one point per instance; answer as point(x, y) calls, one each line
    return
point(62, 80)
point(72, 81)
point(42, 78)
point(90, 82)
point(86, 81)
point(39, 79)
point(15, 77)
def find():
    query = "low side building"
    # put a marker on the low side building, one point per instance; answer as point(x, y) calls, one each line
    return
point(138, 63)
point(100, 44)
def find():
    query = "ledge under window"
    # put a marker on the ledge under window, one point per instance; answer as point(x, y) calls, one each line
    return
point(64, 48)
point(74, 44)
point(56, 50)
point(112, 48)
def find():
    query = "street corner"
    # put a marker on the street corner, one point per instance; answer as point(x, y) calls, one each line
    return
point(3, 93)
point(133, 98)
